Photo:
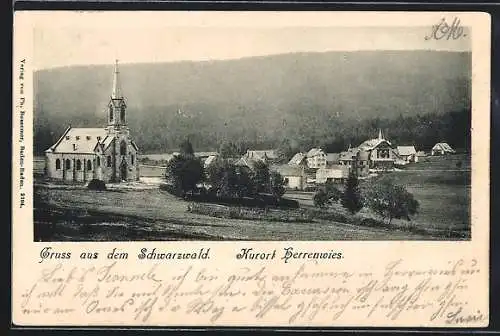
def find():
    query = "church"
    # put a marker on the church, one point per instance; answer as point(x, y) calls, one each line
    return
point(108, 153)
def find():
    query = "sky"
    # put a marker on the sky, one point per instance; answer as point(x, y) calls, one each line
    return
point(95, 42)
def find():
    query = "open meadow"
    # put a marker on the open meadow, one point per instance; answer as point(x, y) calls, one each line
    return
point(144, 212)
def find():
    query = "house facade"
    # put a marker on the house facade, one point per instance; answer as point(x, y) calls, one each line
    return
point(408, 154)
point(356, 159)
point(316, 158)
point(334, 173)
point(108, 153)
point(442, 148)
point(295, 176)
point(381, 155)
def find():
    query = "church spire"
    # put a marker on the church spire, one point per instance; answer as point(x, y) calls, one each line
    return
point(117, 90)
point(117, 106)
point(380, 134)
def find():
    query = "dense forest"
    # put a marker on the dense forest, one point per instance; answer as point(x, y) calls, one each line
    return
point(422, 131)
point(290, 101)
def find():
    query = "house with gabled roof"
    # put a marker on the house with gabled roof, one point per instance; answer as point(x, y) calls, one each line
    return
point(407, 153)
point(299, 159)
point(294, 175)
point(316, 158)
point(381, 154)
point(108, 153)
point(372, 155)
point(267, 155)
point(442, 148)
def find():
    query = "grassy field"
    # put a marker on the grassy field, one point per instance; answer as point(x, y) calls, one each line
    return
point(80, 215)
point(441, 185)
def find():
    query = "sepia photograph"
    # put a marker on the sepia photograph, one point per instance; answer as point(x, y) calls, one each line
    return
point(252, 133)
point(251, 169)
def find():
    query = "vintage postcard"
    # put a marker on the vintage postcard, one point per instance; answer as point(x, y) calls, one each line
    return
point(239, 169)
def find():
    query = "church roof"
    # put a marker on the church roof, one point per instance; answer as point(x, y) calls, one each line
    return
point(372, 143)
point(79, 140)
point(105, 142)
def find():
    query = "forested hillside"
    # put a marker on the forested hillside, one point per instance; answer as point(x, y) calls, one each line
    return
point(328, 99)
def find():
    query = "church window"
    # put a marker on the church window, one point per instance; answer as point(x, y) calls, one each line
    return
point(88, 137)
point(132, 158)
point(89, 165)
point(78, 165)
point(122, 114)
point(109, 161)
point(123, 148)
point(110, 114)
point(75, 147)
point(67, 137)
point(58, 164)
point(77, 137)
point(98, 161)
point(68, 164)
point(98, 138)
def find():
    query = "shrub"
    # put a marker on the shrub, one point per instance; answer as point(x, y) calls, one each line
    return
point(96, 184)
point(321, 199)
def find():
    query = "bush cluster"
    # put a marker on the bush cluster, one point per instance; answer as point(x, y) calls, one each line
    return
point(223, 211)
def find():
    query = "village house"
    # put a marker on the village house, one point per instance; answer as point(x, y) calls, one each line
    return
point(332, 159)
point(268, 155)
point(381, 154)
point(408, 154)
point(108, 153)
point(356, 159)
point(210, 160)
point(295, 176)
point(372, 155)
point(334, 173)
point(299, 159)
point(442, 148)
point(316, 158)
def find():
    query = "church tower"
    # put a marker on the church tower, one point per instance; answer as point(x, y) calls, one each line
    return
point(122, 162)
point(117, 107)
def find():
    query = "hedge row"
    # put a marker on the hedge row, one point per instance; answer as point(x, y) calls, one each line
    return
point(275, 215)
point(259, 201)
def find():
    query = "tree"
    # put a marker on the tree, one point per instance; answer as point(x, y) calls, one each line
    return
point(277, 184)
point(246, 186)
point(286, 150)
point(261, 176)
point(351, 197)
point(390, 200)
point(186, 148)
point(229, 150)
point(229, 180)
point(184, 172)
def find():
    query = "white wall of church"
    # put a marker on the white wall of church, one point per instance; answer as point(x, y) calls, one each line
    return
point(70, 167)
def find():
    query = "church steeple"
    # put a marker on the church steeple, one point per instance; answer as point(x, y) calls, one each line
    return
point(380, 134)
point(117, 90)
point(117, 106)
